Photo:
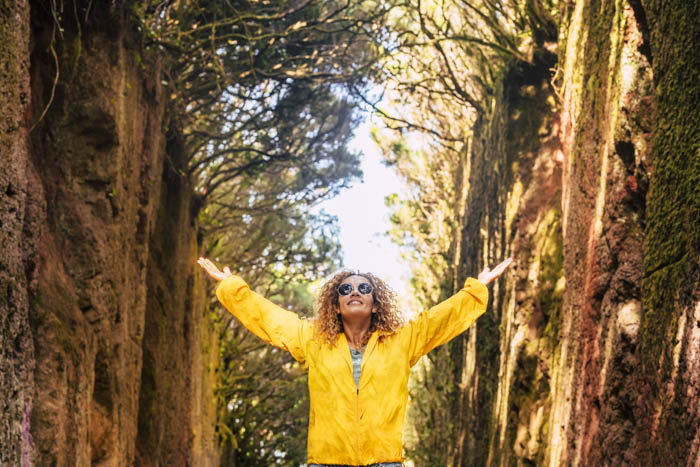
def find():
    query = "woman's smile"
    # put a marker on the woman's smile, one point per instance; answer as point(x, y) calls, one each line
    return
point(355, 304)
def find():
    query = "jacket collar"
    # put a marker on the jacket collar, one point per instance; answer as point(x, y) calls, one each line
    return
point(345, 352)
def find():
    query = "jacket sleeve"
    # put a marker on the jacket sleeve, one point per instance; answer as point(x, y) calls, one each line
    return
point(271, 323)
point(446, 320)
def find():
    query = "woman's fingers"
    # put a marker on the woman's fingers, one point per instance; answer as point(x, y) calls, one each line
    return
point(213, 271)
point(502, 267)
point(488, 275)
point(206, 264)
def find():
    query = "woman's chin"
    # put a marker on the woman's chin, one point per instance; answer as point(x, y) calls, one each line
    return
point(355, 314)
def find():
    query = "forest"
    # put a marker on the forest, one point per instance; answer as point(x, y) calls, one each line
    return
point(137, 136)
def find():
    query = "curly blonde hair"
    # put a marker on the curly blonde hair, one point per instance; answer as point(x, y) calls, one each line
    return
point(328, 323)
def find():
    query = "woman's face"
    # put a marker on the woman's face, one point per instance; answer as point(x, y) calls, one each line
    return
point(356, 306)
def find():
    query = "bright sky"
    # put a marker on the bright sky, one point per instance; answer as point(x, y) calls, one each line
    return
point(363, 217)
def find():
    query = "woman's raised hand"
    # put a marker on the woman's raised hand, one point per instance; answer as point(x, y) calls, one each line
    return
point(211, 269)
point(487, 275)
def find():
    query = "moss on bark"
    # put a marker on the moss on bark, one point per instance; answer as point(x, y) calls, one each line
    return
point(672, 242)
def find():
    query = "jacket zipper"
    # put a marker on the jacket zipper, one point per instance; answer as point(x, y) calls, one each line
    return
point(357, 421)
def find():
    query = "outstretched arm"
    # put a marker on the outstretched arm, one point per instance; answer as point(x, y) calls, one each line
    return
point(451, 317)
point(273, 324)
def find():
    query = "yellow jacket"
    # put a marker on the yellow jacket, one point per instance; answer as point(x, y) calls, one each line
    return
point(349, 425)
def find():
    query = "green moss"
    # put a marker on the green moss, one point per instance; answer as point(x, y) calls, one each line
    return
point(672, 237)
point(551, 276)
point(672, 241)
point(531, 386)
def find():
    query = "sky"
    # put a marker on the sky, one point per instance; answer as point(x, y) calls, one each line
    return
point(363, 217)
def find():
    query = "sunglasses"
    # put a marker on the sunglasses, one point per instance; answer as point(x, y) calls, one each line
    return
point(346, 289)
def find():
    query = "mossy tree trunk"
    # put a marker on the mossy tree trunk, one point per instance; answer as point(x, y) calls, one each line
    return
point(596, 196)
point(514, 197)
point(670, 328)
point(607, 100)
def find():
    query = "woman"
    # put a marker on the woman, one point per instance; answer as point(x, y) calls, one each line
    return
point(358, 354)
